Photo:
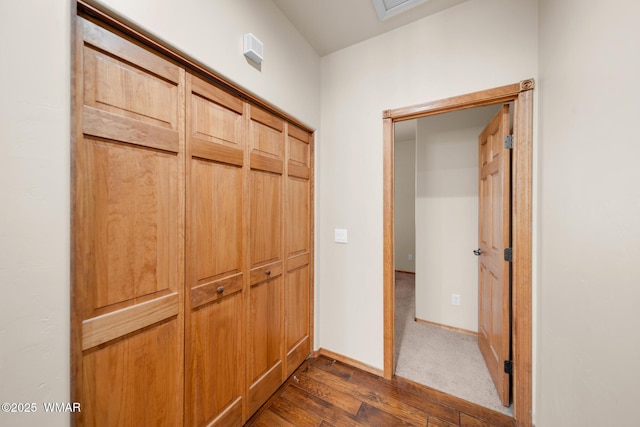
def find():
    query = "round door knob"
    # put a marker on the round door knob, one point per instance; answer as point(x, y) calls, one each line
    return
point(268, 272)
point(477, 252)
point(220, 289)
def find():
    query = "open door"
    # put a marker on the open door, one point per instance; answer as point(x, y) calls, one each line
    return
point(494, 331)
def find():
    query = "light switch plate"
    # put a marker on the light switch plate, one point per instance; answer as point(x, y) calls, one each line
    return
point(340, 235)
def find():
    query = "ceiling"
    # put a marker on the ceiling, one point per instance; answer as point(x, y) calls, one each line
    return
point(330, 25)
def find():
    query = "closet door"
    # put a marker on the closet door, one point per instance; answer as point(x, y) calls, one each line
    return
point(215, 255)
point(298, 224)
point(127, 335)
point(265, 368)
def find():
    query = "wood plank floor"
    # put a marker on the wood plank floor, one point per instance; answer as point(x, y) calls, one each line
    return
point(324, 393)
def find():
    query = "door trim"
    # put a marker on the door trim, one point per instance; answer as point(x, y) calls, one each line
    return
point(521, 94)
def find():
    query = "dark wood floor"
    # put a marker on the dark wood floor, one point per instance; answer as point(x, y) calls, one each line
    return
point(325, 393)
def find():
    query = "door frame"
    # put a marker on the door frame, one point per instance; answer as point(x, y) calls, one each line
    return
point(521, 94)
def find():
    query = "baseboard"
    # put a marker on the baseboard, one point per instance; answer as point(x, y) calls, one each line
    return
point(451, 328)
point(348, 361)
point(406, 272)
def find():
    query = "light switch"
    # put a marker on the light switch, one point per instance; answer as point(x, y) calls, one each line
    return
point(340, 235)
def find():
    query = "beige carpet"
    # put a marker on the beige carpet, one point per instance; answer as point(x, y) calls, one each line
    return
point(440, 358)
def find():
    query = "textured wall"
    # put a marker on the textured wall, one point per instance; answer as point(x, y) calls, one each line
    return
point(589, 205)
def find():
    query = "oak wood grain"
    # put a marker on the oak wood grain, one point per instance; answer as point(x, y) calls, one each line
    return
point(324, 392)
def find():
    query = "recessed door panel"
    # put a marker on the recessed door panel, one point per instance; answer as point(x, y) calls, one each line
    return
point(216, 340)
point(266, 218)
point(217, 201)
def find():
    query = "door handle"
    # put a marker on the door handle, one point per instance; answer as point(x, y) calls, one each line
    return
point(477, 252)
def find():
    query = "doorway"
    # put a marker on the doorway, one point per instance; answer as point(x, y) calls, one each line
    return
point(436, 215)
point(521, 94)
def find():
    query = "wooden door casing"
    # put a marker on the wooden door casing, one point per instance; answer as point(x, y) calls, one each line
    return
point(128, 232)
point(494, 331)
point(214, 380)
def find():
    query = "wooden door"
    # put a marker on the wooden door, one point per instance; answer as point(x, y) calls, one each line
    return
point(297, 282)
point(215, 294)
point(127, 333)
point(265, 368)
point(494, 302)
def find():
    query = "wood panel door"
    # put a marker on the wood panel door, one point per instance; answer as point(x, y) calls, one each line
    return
point(128, 233)
point(297, 282)
point(215, 297)
point(494, 301)
point(265, 366)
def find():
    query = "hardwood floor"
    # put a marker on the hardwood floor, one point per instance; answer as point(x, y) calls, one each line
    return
point(324, 392)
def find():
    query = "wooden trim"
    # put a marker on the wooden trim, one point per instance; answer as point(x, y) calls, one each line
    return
point(266, 164)
point(76, 264)
point(388, 249)
point(406, 272)
point(207, 150)
point(447, 327)
point(476, 99)
point(92, 8)
point(521, 94)
point(522, 171)
point(347, 360)
point(104, 124)
point(312, 218)
point(101, 329)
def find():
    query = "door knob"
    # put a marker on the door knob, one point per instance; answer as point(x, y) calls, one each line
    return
point(220, 289)
point(268, 272)
point(477, 252)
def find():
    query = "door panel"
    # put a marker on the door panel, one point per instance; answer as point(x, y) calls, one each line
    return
point(494, 235)
point(131, 373)
point(215, 274)
point(297, 286)
point(266, 218)
point(265, 369)
point(297, 305)
point(216, 337)
point(264, 357)
point(217, 202)
point(128, 233)
point(297, 224)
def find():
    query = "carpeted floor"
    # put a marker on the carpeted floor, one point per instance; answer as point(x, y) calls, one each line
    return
point(440, 358)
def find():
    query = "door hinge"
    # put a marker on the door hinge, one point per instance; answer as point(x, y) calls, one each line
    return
point(508, 254)
point(508, 367)
point(508, 142)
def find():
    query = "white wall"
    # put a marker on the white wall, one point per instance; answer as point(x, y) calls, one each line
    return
point(447, 216)
point(404, 205)
point(211, 32)
point(470, 51)
point(588, 345)
point(35, 159)
point(34, 218)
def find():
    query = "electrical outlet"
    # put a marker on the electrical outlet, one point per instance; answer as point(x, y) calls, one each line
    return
point(410, 257)
point(455, 299)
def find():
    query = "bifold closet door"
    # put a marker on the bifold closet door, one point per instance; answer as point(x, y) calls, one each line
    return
point(127, 326)
point(215, 255)
point(265, 365)
point(297, 282)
